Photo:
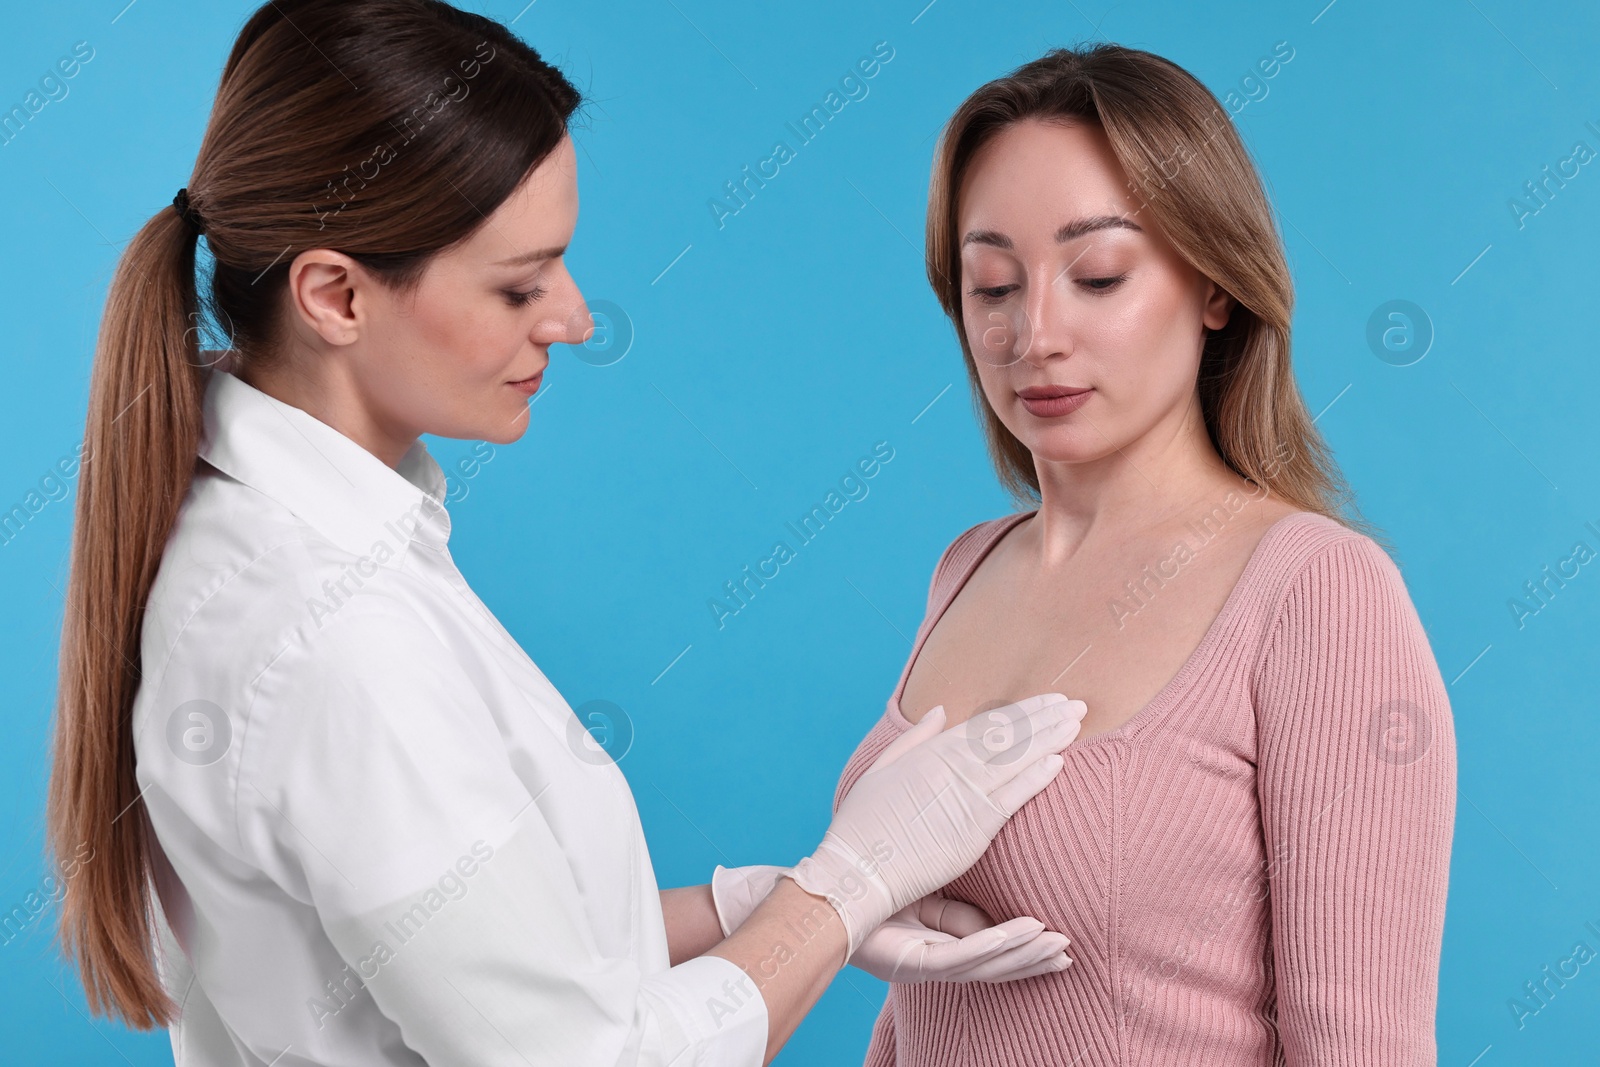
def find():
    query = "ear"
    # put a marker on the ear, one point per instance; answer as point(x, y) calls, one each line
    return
point(323, 290)
point(1218, 306)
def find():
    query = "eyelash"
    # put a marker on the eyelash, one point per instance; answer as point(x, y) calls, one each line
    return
point(995, 293)
point(524, 299)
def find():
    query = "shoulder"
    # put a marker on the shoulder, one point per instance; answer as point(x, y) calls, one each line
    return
point(970, 545)
point(260, 662)
point(1322, 583)
point(239, 686)
point(981, 535)
point(248, 597)
point(375, 646)
point(371, 688)
point(241, 574)
point(1345, 663)
point(1304, 553)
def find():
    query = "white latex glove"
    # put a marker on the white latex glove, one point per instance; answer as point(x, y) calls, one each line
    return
point(941, 940)
point(931, 940)
point(737, 890)
point(930, 804)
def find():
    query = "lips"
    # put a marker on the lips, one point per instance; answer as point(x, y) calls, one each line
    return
point(1051, 392)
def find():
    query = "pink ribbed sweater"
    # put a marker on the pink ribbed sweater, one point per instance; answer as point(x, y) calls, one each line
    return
point(1252, 869)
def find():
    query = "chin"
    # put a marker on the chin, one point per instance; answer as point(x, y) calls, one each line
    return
point(507, 432)
point(1066, 446)
point(495, 430)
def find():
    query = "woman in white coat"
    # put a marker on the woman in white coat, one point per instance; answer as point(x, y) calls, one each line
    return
point(331, 812)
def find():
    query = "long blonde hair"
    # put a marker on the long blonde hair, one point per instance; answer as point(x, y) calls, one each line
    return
point(387, 129)
point(1212, 209)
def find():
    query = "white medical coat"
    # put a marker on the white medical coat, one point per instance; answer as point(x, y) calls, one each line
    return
point(384, 838)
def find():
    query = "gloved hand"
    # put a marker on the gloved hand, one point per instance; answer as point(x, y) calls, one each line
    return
point(941, 940)
point(928, 807)
point(931, 940)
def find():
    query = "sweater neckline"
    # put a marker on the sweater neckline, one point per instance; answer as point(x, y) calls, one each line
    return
point(1202, 653)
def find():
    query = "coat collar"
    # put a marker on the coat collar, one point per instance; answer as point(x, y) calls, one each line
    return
point(338, 487)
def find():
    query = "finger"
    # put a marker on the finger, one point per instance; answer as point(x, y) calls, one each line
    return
point(930, 725)
point(992, 773)
point(1055, 725)
point(1043, 954)
point(1073, 725)
point(1012, 940)
point(1006, 740)
point(1028, 784)
point(1033, 704)
point(1011, 724)
point(1022, 929)
point(958, 955)
point(1051, 939)
point(1043, 711)
point(889, 939)
point(1051, 738)
point(953, 916)
point(999, 972)
point(963, 920)
point(907, 961)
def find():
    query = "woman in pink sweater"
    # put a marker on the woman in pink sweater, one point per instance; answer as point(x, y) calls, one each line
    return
point(1249, 844)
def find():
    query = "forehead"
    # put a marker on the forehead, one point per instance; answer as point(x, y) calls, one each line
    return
point(542, 210)
point(1037, 174)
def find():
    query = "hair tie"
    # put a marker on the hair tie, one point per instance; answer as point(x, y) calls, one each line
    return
point(187, 212)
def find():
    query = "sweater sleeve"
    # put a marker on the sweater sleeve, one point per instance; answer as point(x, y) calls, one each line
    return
point(1357, 786)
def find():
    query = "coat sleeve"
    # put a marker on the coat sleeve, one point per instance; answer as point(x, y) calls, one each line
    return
point(1357, 786)
point(435, 876)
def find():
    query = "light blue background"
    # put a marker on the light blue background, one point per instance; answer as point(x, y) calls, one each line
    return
point(776, 350)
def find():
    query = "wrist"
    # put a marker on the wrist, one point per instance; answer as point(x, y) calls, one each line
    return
point(811, 915)
point(850, 883)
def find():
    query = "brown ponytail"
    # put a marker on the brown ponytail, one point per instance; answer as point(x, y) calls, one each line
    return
point(139, 445)
point(388, 129)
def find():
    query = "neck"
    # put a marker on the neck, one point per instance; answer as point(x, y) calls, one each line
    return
point(1169, 472)
point(330, 397)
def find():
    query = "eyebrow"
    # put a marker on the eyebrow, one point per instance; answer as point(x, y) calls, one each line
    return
point(1070, 232)
point(531, 257)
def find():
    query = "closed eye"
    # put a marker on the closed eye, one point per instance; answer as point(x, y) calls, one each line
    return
point(1102, 285)
point(992, 294)
point(523, 299)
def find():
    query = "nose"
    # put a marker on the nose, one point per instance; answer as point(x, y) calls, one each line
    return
point(568, 321)
point(1044, 327)
point(579, 324)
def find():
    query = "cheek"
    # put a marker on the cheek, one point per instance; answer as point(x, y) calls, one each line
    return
point(1000, 391)
point(976, 342)
point(461, 338)
point(993, 330)
point(1158, 335)
point(1129, 326)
